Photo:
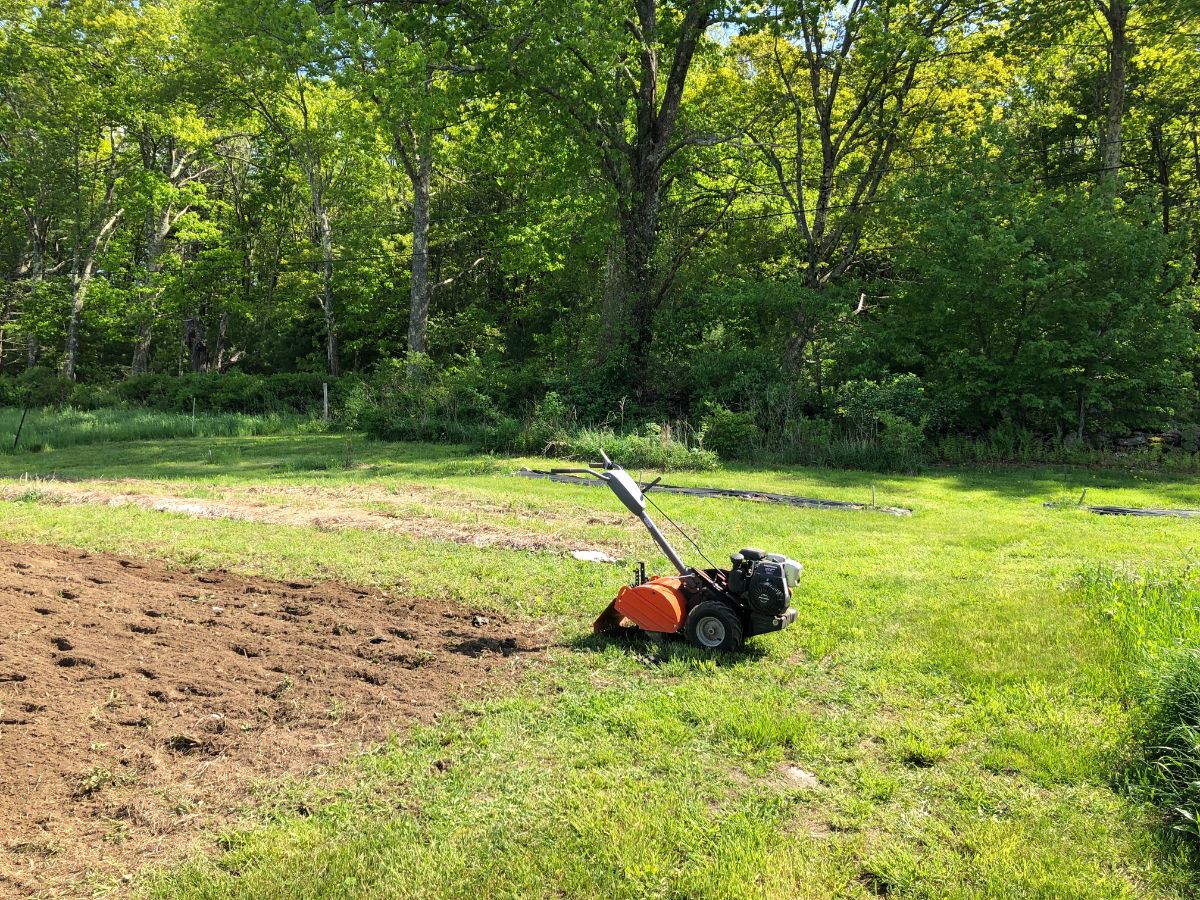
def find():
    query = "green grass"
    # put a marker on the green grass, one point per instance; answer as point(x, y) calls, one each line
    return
point(954, 693)
point(46, 429)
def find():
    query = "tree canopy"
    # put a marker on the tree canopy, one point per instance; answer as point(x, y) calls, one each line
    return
point(669, 203)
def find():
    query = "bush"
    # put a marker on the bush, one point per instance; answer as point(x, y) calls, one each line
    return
point(213, 392)
point(653, 447)
point(1167, 770)
point(35, 388)
point(731, 435)
point(865, 404)
point(431, 405)
point(902, 442)
point(549, 425)
point(1155, 618)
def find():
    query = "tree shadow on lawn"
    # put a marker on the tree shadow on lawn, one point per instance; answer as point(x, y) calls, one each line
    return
point(259, 457)
point(1067, 483)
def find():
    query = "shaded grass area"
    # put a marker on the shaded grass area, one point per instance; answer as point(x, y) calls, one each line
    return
point(45, 429)
point(958, 709)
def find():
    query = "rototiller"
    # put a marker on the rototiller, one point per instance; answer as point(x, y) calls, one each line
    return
point(714, 609)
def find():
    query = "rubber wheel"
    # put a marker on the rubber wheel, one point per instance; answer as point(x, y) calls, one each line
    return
point(713, 625)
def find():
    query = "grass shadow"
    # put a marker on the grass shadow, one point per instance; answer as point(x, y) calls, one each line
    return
point(654, 652)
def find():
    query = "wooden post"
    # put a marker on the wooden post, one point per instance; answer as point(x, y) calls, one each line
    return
point(24, 412)
point(325, 401)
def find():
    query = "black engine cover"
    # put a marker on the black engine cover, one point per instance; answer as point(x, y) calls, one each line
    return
point(768, 592)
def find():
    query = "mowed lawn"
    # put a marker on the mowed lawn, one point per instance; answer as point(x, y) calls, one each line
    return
point(944, 720)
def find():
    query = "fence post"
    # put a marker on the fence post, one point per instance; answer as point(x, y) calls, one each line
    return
point(325, 401)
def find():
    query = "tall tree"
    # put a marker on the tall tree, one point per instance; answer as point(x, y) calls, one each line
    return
point(618, 73)
point(416, 62)
point(834, 92)
point(279, 70)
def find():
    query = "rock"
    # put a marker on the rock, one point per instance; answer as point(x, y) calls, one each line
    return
point(597, 556)
point(801, 778)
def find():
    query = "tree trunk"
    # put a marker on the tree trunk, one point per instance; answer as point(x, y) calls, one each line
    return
point(324, 235)
point(612, 309)
point(418, 316)
point(1162, 164)
point(1083, 407)
point(1116, 12)
point(222, 328)
point(81, 277)
point(196, 343)
point(141, 349)
point(36, 267)
point(157, 227)
point(640, 236)
point(331, 346)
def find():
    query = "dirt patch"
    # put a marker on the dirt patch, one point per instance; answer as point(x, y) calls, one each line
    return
point(411, 512)
point(138, 704)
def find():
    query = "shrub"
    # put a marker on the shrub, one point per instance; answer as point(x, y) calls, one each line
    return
point(214, 392)
point(902, 442)
point(1155, 618)
point(731, 435)
point(863, 404)
point(35, 388)
point(1189, 437)
point(653, 447)
point(430, 405)
point(547, 428)
point(1167, 769)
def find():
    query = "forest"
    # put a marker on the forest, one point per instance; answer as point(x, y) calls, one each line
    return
point(911, 220)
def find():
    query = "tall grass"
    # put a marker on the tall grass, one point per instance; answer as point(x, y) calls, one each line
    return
point(47, 429)
point(1155, 617)
point(1151, 613)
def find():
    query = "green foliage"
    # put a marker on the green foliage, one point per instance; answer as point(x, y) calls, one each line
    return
point(1167, 770)
point(1155, 618)
point(869, 406)
point(1051, 309)
point(654, 446)
point(549, 427)
point(451, 404)
point(70, 427)
point(431, 404)
point(731, 435)
point(234, 392)
point(185, 193)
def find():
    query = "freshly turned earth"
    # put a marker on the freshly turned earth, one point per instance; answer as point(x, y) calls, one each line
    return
point(138, 704)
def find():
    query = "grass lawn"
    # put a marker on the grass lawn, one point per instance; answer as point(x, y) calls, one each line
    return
point(960, 705)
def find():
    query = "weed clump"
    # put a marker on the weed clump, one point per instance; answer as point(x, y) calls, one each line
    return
point(1155, 619)
point(1166, 768)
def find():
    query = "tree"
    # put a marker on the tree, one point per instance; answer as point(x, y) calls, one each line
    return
point(1048, 309)
point(277, 71)
point(833, 93)
point(415, 61)
point(618, 73)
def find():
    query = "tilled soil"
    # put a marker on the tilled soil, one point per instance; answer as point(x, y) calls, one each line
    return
point(138, 704)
